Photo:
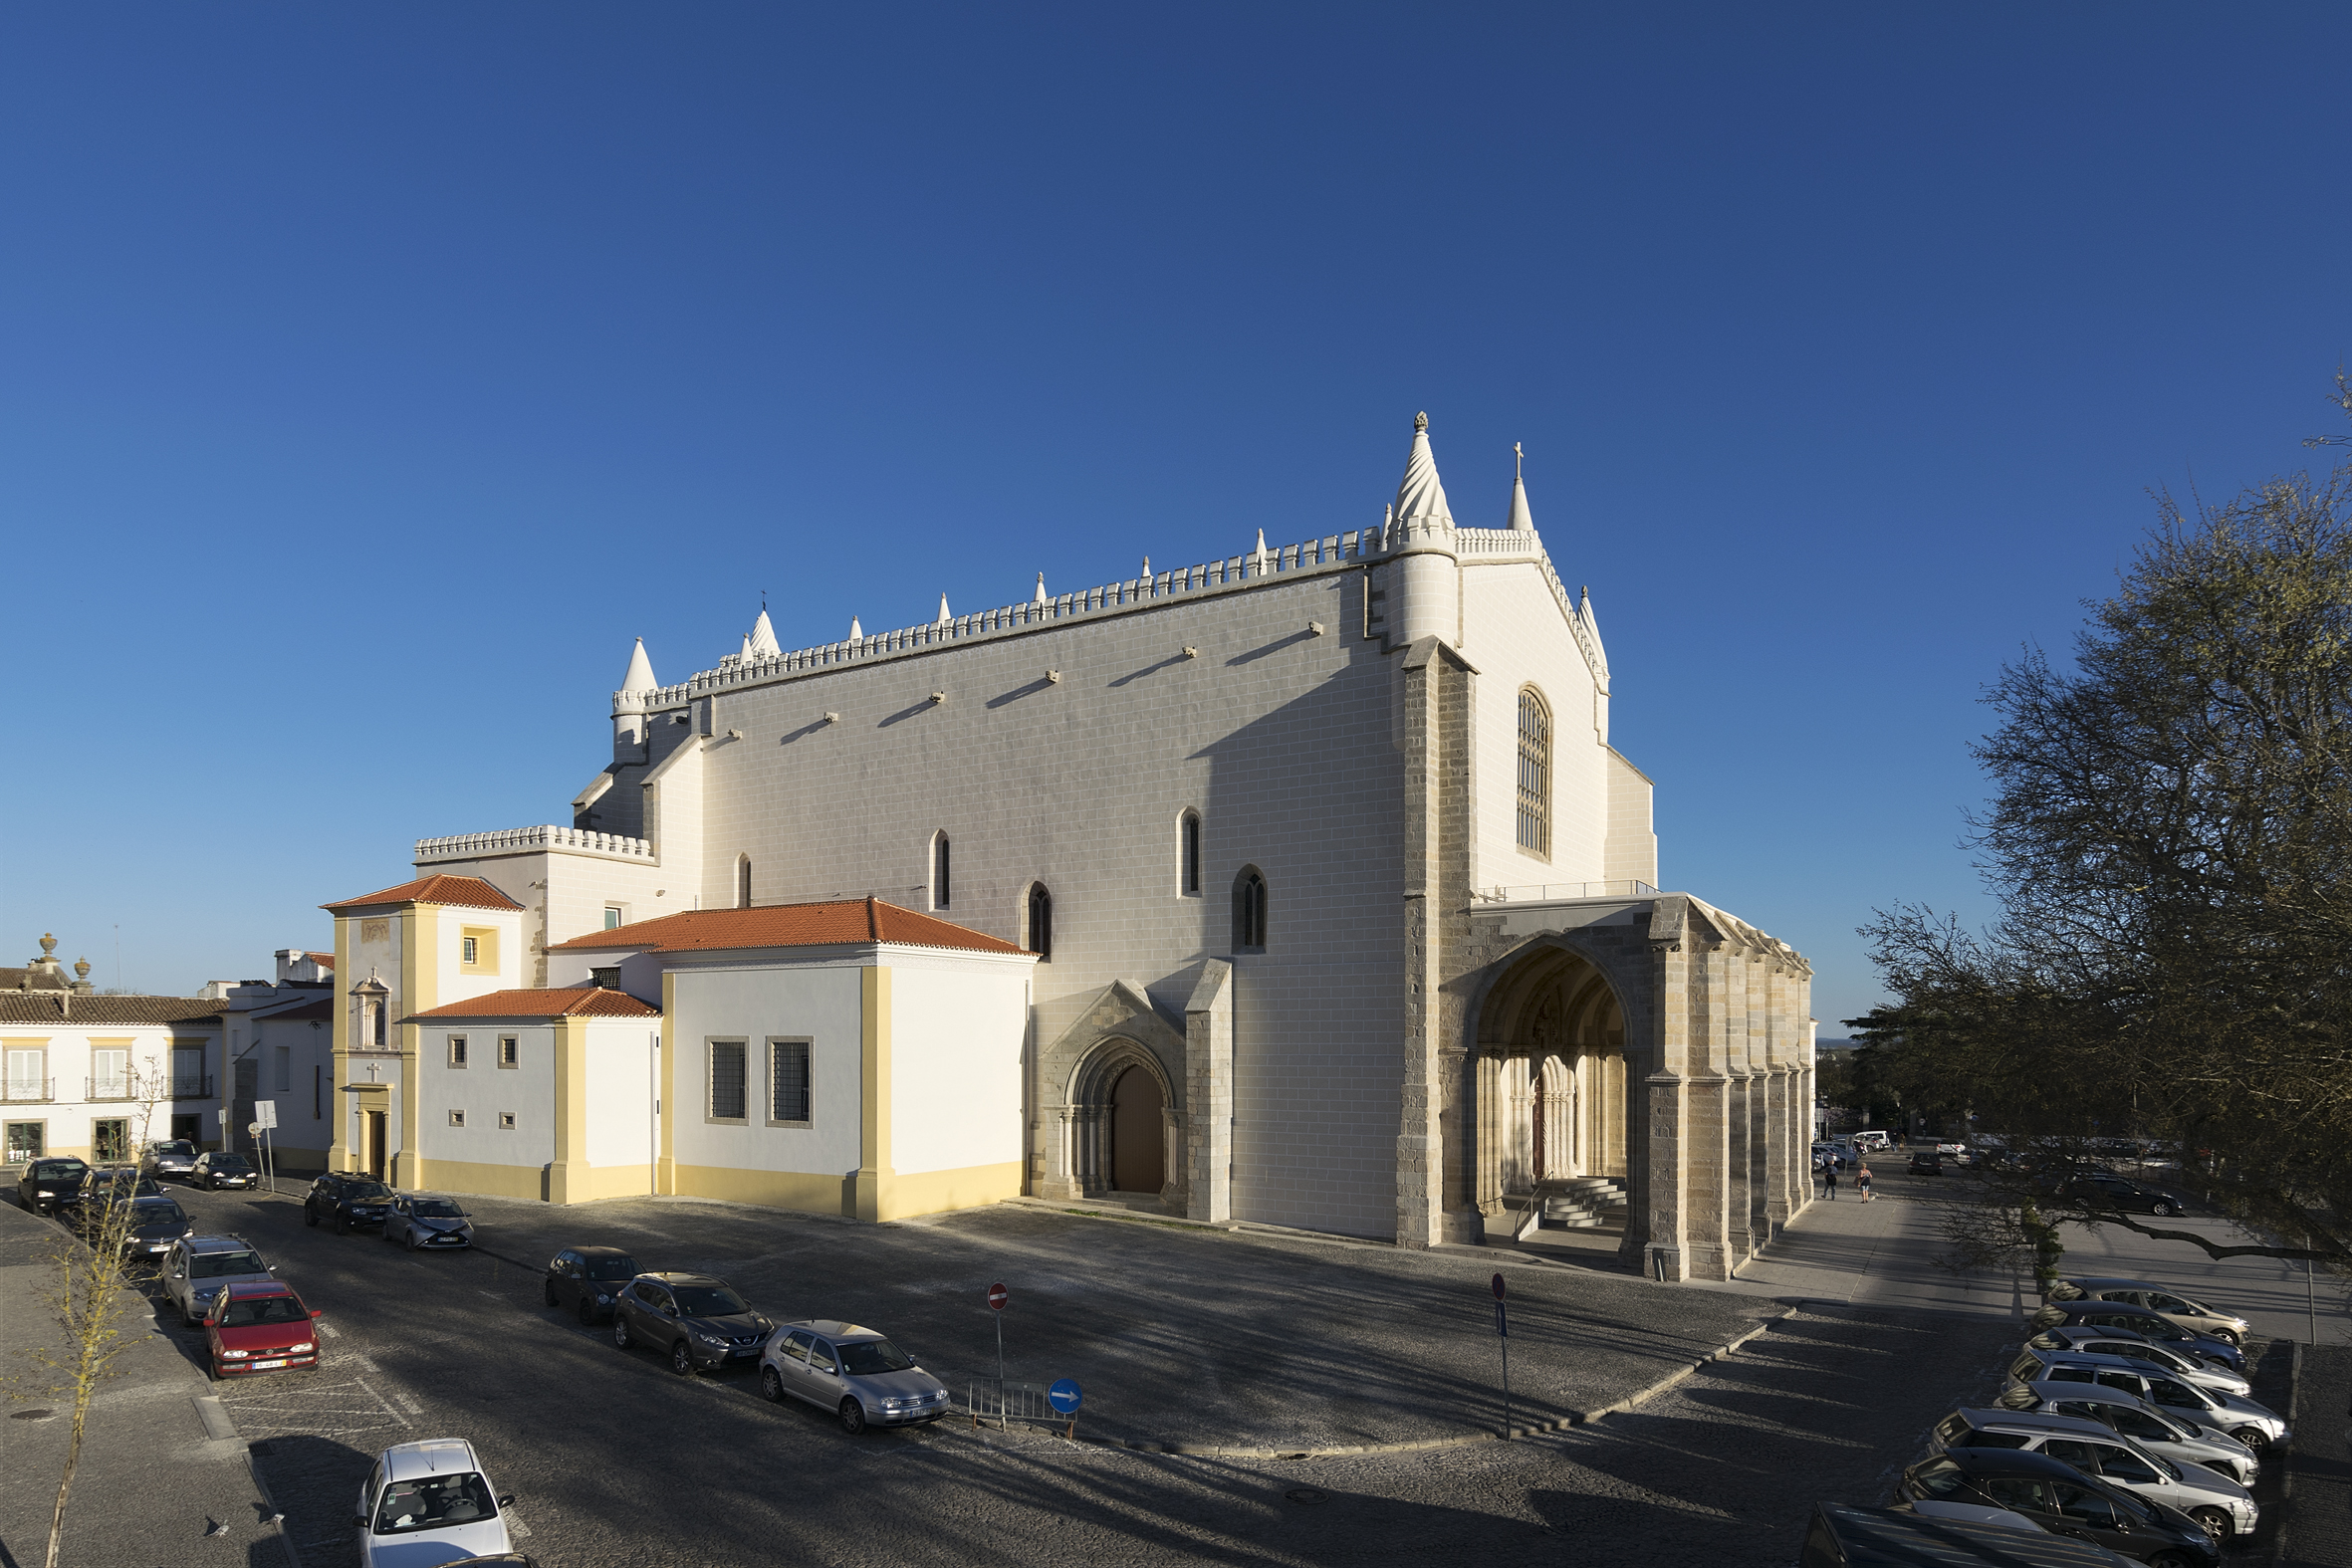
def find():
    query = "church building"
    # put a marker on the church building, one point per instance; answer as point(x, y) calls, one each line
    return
point(1300, 887)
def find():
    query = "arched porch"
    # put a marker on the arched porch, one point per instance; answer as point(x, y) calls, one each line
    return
point(1548, 1079)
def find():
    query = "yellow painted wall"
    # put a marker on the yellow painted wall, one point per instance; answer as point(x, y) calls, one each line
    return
point(936, 1191)
point(489, 1180)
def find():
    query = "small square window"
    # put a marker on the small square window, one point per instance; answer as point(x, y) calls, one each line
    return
point(510, 1051)
point(457, 1118)
point(456, 1050)
point(505, 1121)
point(612, 918)
point(473, 950)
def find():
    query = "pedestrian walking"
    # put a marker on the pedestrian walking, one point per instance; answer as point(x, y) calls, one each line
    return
point(1829, 1180)
point(1862, 1182)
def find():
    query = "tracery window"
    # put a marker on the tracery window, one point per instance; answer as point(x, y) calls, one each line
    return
point(1041, 921)
point(1534, 773)
point(1249, 910)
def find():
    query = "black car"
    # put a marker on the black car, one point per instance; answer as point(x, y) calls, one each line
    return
point(2145, 1321)
point(220, 1168)
point(50, 1185)
point(2123, 1197)
point(585, 1280)
point(2065, 1501)
point(154, 1223)
point(170, 1157)
point(697, 1319)
point(1927, 1163)
point(106, 1184)
point(347, 1201)
point(1844, 1538)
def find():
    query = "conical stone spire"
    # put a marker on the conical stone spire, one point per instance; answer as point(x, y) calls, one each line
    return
point(944, 616)
point(1041, 594)
point(1519, 520)
point(1421, 497)
point(762, 642)
point(641, 675)
point(745, 652)
point(856, 632)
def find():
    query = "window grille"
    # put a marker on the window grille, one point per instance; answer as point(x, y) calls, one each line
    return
point(1535, 773)
point(457, 1050)
point(727, 1080)
point(510, 1051)
point(788, 1081)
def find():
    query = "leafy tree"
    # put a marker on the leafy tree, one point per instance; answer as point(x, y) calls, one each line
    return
point(2170, 836)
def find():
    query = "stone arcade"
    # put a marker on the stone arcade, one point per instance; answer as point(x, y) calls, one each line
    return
point(1300, 887)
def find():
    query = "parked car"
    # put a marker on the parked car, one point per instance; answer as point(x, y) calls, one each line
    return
point(2088, 1340)
point(106, 1182)
point(857, 1373)
point(170, 1157)
point(200, 1267)
point(1928, 1531)
point(584, 1279)
point(419, 1219)
point(260, 1326)
point(696, 1319)
point(431, 1502)
point(221, 1168)
point(1957, 1153)
point(2191, 1315)
point(2123, 1197)
point(2151, 1325)
point(47, 1185)
point(2222, 1506)
point(1872, 1141)
point(1926, 1161)
point(347, 1201)
point(2165, 1432)
point(2251, 1424)
point(2065, 1501)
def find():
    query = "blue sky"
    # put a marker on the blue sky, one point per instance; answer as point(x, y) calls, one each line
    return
point(370, 375)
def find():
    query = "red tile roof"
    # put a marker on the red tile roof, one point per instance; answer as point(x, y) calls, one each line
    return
point(837, 922)
point(323, 960)
point(571, 1001)
point(65, 1006)
point(470, 891)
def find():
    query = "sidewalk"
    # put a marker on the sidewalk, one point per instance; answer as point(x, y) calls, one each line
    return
point(151, 1483)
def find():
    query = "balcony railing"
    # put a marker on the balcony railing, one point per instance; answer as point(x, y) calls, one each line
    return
point(120, 1086)
point(28, 1091)
point(186, 1087)
point(1554, 892)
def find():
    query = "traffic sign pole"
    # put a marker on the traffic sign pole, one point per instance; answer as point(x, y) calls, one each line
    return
point(998, 1295)
point(1503, 1333)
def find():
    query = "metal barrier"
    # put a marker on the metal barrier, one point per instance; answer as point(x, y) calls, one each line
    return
point(991, 1402)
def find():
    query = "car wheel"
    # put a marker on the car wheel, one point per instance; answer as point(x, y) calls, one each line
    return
point(771, 1386)
point(548, 1287)
point(2253, 1438)
point(2163, 1210)
point(852, 1416)
point(681, 1359)
point(310, 1215)
point(621, 1332)
point(2227, 1336)
point(588, 1310)
point(2216, 1522)
point(2169, 1560)
point(410, 1237)
point(342, 1224)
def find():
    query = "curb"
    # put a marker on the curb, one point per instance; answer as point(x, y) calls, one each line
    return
point(1575, 1418)
point(2286, 1457)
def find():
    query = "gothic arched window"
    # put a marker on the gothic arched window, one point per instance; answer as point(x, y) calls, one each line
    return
point(1249, 911)
point(1534, 773)
point(1041, 921)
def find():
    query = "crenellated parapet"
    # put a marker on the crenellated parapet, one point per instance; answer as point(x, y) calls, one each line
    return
point(530, 840)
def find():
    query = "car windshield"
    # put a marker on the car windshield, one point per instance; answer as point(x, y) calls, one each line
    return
point(709, 1301)
point(178, 1146)
point(612, 1268)
point(1941, 1479)
point(230, 1161)
point(216, 1265)
point(248, 1311)
point(434, 1502)
point(365, 1191)
point(438, 1208)
point(158, 1211)
point(57, 1170)
point(867, 1357)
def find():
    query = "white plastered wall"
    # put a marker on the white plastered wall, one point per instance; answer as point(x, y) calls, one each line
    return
point(483, 1090)
point(957, 1027)
point(752, 999)
point(621, 1060)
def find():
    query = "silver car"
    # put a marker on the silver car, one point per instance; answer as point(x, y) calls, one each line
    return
point(202, 1266)
point(857, 1373)
point(2251, 1424)
point(2165, 1432)
point(2193, 1316)
point(420, 1219)
point(2088, 1340)
point(2221, 1507)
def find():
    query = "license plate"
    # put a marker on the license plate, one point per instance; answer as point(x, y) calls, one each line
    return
point(264, 1366)
point(747, 1350)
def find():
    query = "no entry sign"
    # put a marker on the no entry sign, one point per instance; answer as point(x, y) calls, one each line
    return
point(998, 1295)
point(1498, 1287)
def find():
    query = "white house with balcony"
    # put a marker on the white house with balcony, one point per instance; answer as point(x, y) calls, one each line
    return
point(1342, 912)
point(95, 1076)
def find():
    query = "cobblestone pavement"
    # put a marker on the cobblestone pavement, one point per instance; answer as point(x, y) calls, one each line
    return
point(2319, 1519)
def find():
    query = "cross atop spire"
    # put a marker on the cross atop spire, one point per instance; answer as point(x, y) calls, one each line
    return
point(1519, 519)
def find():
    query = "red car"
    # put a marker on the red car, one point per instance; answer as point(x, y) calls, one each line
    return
point(261, 1326)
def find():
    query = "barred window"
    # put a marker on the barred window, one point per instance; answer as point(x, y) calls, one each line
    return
point(788, 1077)
point(727, 1080)
point(1534, 773)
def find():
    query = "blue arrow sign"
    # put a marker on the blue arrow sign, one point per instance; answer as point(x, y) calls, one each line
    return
point(1064, 1396)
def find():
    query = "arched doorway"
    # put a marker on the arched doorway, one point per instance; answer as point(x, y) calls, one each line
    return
point(1138, 1137)
point(1548, 1079)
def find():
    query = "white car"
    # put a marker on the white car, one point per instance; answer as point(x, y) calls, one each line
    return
point(427, 1503)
